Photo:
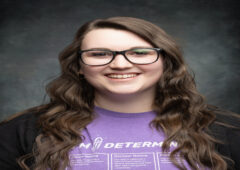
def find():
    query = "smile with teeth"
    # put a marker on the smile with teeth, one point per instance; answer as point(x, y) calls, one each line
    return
point(121, 76)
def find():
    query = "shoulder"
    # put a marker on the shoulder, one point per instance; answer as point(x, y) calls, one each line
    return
point(225, 122)
point(22, 129)
point(226, 129)
point(17, 138)
point(23, 121)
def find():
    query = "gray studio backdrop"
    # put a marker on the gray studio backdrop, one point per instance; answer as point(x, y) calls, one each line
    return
point(34, 32)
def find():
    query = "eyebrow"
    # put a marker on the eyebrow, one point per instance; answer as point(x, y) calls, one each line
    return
point(104, 48)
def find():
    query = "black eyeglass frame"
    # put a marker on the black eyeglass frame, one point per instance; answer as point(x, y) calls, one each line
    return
point(115, 53)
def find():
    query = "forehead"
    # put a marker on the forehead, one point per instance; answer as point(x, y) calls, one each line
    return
point(112, 39)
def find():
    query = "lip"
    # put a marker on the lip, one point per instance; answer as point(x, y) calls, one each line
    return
point(122, 79)
point(122, 73)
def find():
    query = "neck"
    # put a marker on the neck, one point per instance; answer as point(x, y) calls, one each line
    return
point(125, 103)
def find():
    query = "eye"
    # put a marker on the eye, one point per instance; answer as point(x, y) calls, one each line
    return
point(139, 52)
point(99, 53)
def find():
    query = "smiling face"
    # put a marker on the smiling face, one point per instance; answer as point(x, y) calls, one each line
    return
point(120, 76)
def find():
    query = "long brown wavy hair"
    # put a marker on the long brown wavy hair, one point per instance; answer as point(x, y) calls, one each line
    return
point(181, 112)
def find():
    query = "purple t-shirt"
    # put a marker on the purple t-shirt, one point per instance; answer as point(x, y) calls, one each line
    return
point(121, 141)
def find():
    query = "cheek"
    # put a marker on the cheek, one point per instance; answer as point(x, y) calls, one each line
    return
point(156, 74)
point(89, 70)
point(91, 73)
point(154, 70)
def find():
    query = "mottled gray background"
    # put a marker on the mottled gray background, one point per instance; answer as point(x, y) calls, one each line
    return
point(34, 32)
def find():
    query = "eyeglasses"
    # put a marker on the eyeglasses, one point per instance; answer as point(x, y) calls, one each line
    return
point(99, 57)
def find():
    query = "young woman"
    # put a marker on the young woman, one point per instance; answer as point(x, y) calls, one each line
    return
point(124, 100)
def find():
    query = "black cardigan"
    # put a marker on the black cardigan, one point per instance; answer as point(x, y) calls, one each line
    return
point(18, 136)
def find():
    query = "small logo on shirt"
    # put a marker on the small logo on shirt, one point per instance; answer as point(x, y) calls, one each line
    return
point(97, 143)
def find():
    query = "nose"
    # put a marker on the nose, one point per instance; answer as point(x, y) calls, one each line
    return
point(120, 62)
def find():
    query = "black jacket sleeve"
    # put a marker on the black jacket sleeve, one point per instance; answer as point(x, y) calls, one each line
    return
point(233, 137)
point(230, 138)
point(17, 138)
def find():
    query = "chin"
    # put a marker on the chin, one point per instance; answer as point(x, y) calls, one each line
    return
point(123, 92)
